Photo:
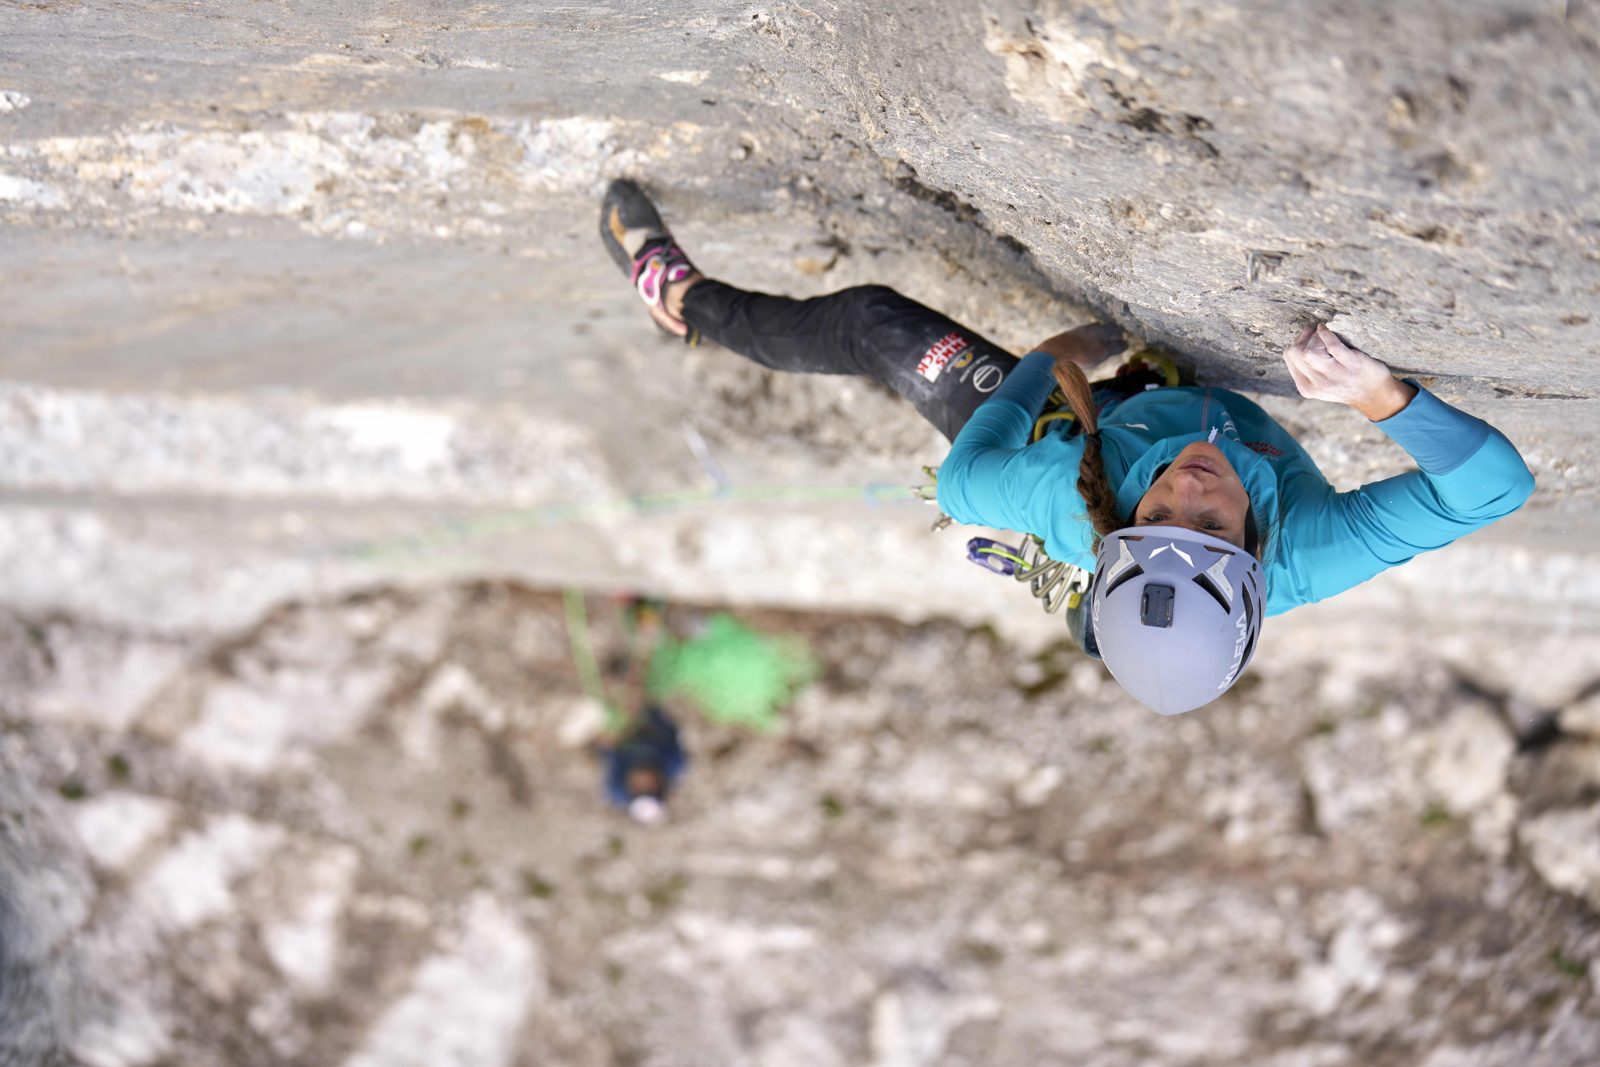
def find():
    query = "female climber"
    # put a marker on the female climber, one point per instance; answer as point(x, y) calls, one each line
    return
point(1198, 514)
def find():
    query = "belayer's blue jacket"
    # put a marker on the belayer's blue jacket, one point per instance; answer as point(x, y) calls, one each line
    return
point(1318, 541)
point(652, 744)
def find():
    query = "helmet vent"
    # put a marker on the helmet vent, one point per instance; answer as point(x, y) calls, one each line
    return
point(1204, 582)
point(1122, 579)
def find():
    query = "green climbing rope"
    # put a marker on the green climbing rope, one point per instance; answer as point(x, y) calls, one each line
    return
point(583, 657)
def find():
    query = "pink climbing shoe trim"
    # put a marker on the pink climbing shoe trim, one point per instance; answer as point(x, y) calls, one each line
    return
point(660, 263)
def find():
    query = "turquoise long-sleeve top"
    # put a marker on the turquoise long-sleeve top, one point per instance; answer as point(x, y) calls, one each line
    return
point(1318, 541)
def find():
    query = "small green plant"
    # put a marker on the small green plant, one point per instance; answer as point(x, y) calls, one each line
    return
point(664, 894)
point(117, 766)
point(831, 806)
point(72, 789)
point(1566, 965)
point(983, 952)
point(1436, 815)
point(536, 886)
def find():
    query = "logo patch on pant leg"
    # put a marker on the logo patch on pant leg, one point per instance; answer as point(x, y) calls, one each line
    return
point(939, 355)
point(986, 379)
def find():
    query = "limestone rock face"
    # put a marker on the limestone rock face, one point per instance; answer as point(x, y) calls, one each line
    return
point(1218, 172)
point(347, 262)
point(1211, 176)
point(304, 330)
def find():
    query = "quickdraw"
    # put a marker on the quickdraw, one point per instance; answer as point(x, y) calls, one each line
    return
point(1053, 583)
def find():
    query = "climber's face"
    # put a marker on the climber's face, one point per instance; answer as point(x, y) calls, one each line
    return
point(1199, 490)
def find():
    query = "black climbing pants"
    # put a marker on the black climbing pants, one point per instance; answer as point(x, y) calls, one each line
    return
point(943, 368)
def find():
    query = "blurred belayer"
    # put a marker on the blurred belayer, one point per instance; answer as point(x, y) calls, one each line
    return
point(643, 764)
point(1197, 514)
point(644, 758)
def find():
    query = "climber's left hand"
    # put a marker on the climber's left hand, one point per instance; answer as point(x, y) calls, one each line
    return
point(1087, 346)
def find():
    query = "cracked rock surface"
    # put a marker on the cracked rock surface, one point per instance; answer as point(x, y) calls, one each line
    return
point(309, 207)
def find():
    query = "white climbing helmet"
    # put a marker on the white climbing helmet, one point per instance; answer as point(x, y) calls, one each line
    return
point(1176, 614)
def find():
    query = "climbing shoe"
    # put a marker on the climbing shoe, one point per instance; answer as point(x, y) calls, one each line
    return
point(642, 246)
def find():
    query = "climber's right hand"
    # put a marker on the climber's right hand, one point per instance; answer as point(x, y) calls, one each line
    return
point(1325, 366)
